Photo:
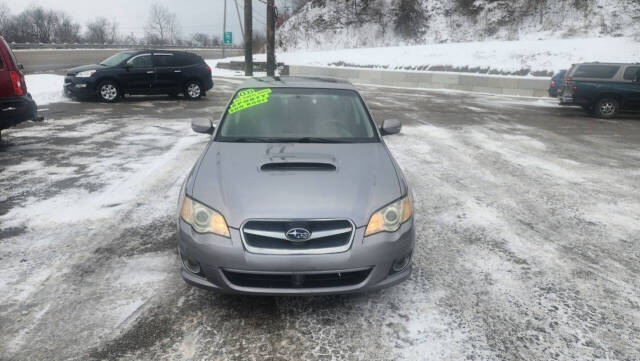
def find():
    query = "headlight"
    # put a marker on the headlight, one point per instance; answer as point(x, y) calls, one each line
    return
point(85, 74)
point(390, 217)
point(202, 218)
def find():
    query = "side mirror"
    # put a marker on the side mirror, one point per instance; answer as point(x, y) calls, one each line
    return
point(20, 66)
point(391, 126)
point(202, 126)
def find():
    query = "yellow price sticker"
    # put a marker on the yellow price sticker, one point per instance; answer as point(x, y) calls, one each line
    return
point(249, 98)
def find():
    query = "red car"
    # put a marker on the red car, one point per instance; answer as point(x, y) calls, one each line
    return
point(16, 104)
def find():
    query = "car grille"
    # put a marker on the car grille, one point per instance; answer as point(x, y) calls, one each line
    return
point(296, 280)
point(270, 236)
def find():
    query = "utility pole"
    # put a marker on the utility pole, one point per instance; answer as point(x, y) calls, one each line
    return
point(239, 19)
point(248, 38)
point(271, 38)
point(224, 26)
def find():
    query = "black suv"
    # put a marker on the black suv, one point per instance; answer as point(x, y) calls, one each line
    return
point(603, 89)
point(141, 72)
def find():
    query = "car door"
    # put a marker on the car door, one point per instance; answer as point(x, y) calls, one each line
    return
point(168, 73)
point(631, 79)
point(140, 74)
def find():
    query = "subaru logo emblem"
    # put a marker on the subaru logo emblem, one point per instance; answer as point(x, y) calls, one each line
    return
point(298, 234)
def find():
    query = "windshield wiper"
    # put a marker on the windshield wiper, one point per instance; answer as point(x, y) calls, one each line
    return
point(318, 140)
point(252, 140)
point(284, 140)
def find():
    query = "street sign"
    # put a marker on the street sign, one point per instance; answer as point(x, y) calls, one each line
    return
point(228, 37)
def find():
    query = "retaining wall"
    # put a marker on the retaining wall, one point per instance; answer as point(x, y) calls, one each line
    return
point(493, 84)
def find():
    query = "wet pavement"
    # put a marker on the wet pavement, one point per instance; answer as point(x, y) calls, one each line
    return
point(528, 248)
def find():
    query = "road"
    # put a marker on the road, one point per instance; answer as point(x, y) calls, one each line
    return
point(40, 60)
point(528, 248)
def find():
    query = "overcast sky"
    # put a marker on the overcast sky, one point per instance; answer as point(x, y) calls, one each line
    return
point(194, 15)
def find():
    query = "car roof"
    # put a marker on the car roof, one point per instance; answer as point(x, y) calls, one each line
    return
point(597, 63)
point(297, 82)
point(132, 51)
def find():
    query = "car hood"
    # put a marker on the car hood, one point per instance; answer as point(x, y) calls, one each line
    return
point(293, 180)
point(76, 70)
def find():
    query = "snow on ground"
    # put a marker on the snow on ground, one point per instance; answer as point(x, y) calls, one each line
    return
point(218, 72)
point(521, 57)
point(46, 88)
point(527, 220)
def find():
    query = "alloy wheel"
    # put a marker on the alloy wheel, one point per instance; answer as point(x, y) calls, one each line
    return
point(108, 92)
point(607, 108)
point(193, 90)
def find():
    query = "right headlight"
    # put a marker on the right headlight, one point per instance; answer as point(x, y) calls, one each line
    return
point(390, 217)
point(85, 74)
point(202, 218)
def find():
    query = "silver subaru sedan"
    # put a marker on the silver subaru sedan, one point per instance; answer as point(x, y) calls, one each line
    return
point(295, 194)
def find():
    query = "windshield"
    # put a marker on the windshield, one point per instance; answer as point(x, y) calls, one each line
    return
point(116, 59)
point(297, 115)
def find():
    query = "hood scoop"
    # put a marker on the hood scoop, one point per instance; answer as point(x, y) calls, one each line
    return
point(297, 166)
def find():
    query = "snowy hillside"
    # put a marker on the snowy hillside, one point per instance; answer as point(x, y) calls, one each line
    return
point(331, 24)
point(524, 57)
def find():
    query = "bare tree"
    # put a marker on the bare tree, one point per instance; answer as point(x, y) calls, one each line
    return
point(66, 31)
point(113, 32)
point(130, 39)
point(5, 17)
point(162, 26)
point(201, 39)
point(98, 31)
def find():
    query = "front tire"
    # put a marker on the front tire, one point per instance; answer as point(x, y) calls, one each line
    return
point(193, 90)
point(606, 108)
point(108, 91)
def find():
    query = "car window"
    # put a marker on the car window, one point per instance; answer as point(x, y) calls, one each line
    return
point(288, 114)
point(596, 71)
point(631, 72)
point(116, 59)
point(141, 61)
point(165, 60)
point(186, 59)
point(559, 75)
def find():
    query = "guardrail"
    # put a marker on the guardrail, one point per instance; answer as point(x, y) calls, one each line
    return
point(21, 46)
point(35, 60)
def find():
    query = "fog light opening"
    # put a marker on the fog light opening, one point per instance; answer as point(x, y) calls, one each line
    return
point(400, 264)
point(191, 265)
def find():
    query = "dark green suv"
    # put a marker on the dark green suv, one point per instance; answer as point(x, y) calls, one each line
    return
point(603, 89)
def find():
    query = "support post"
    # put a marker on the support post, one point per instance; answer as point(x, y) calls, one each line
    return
point(248, 38)
point(224, 26)
point(271, 38)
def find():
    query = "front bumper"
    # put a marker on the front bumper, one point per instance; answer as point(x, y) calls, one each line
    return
point(218, 255)
point(79, 87)
point(14, 110)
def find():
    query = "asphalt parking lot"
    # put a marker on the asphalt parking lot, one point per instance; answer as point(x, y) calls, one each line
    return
point(528, 239)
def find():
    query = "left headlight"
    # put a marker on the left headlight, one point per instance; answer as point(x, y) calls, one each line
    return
point(202, 218)
point(85, 74)
point(390, 217)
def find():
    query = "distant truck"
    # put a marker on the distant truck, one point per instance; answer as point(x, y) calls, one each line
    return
point(16, 104)
point(602, 89)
